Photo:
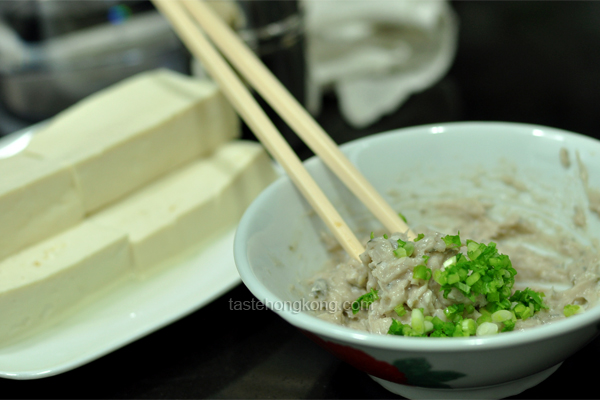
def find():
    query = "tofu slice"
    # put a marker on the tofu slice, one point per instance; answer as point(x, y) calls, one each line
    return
point(52, 277)
point(124, 137)
point(191, 204)
point(38, 198)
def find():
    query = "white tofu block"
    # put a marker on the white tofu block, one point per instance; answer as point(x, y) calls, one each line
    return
point(124, 137)
point(43, 282)
point(38, 198)
point(191, 204)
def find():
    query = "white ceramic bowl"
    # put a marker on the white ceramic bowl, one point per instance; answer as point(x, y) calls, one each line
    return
point(278, 244)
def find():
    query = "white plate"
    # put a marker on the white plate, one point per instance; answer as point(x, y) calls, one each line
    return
point(130, 311)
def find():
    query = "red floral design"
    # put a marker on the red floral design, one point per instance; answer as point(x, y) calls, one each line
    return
point(361, 360)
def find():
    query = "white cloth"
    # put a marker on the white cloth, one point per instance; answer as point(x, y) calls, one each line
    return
point(376, 53)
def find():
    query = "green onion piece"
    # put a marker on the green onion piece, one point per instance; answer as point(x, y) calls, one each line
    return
point(508, 326)
point(400, 252)
point(458, 331)
point(471, 279)
point(364, 301)
point(469, 326)
point(486, 328)
point(449, 262)
point(421, 272)
point(499, 262)
point(452, 242)
point(522, 311)
point(372, 235)
point(428, 326)
point(396, 328)
point(572, 309)
point(463, 287)
point(400, 310)
point(493, 297)
point(454, 309)
point(410, 248)
point(385, 236)
point(448, 328)
point(473, 249)
point(502, 315)
point(438, 324)
point(440, 277)
point(417, 321)
point(403, 217)
point(419, 237)
point(453, 278)
point(486, 316)
point(529, 297)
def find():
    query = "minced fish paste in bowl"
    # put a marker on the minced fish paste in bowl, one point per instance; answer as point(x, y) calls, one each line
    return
point(480, 265)
point(503, 266)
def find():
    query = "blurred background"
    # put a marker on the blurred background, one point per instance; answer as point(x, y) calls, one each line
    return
point(361, 67)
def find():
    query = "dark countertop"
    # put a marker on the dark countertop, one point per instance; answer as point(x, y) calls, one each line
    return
point(533, 62)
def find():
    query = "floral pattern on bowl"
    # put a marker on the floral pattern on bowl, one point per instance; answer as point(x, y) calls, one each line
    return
point(409, 371)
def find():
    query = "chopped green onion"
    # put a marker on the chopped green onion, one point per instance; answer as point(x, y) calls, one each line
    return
point(522, 311)
point(419, 237)
point(463, 287)
point(508, 325)
point(400, 252)
point(396, 328)
point(469, 326)
point(453, 278)
point(449, 262)
point(482, 273)
point(454, 311)
point(410, 248)
point(486, 328)
point(428, 325)
point(400, 310)
point(529, 297)
point(493, 297)
point(458, 332)
point(364, 301)
point(572, 309)
point(421, 272)
point(405, 249)
point(417, 321)
point(403, 217)
point(471, 279)
point(372, 235)
point(502, 315)
point(452, 242)
point(440, 277)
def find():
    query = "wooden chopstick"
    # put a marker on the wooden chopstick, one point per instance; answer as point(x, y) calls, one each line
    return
point(247, 107)
point(296, 116)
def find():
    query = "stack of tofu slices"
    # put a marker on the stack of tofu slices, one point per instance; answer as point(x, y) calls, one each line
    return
point(114, 186)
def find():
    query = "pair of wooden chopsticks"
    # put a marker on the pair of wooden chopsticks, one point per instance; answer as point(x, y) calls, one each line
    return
point(191, 19)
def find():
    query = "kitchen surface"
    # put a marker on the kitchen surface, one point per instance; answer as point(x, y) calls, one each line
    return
point(529, 62)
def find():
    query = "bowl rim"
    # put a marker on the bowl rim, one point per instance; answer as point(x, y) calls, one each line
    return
point(342, 334)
